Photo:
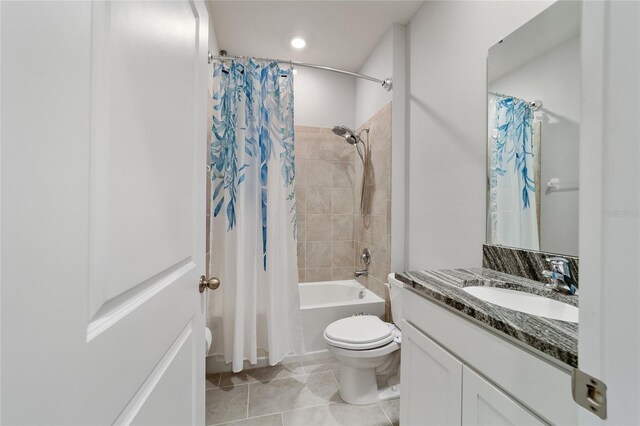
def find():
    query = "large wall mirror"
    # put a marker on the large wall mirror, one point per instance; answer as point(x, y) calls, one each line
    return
point(533, 133)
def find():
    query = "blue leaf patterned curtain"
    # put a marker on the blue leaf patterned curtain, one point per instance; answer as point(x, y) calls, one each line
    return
point(512, 193)
point(253, 218)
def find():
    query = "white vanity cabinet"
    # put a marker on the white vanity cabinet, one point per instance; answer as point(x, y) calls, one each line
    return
point(483, 404)
point(431, 381)
point(438, 389)
point(455, 372)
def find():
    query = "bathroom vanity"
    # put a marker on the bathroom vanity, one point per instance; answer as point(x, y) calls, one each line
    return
point(466, 361)
point(481, 346)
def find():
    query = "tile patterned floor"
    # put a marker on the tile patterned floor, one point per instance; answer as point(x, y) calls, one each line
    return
point(303, 394)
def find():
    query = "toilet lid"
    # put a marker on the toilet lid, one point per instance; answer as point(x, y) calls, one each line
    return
point(365, 330)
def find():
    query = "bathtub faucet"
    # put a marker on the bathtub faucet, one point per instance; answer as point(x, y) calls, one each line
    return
point(361, 273)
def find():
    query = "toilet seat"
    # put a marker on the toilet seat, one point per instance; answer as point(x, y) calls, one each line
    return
point(365, 353)
point(358, 333)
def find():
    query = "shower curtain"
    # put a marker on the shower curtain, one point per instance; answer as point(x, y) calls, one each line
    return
point(256, 310)
point(512, 193)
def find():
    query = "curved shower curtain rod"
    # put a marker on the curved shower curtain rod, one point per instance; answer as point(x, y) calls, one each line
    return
point(386, 83)
point(535, 105)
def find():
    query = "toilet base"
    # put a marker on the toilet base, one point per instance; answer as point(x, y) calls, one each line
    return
point(389, 392)
point(359, 386)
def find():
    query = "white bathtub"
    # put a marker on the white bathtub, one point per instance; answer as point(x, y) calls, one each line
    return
point(322, 303)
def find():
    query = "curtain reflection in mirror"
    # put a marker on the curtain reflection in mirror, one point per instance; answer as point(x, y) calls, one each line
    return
point(513, 218)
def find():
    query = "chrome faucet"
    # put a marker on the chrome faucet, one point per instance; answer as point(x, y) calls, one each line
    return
point(559, 275)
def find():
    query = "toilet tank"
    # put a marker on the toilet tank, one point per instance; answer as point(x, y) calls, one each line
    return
point(395, 294)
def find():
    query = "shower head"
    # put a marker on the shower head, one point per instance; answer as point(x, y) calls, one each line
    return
point(349, 135)
point(354, 139)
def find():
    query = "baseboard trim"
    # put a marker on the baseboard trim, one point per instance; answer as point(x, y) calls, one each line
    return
point(215, 362)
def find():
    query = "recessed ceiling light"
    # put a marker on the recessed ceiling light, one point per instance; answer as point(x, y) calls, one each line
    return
point(298, 42)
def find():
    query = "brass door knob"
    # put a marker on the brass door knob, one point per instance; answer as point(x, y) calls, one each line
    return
point(211, 283)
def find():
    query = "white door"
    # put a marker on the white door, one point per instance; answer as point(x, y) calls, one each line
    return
point(431, 380)
point(103, 121)
point(483, 404)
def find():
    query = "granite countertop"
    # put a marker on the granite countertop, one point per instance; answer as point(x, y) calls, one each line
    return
point(558, 339)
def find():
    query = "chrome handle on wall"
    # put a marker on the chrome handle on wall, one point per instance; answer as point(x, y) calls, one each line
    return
point(365, 257)
point(211, 283)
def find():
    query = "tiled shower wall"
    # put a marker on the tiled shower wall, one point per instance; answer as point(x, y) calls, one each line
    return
point(331, 233)
point(374, 230)
point(325, 180)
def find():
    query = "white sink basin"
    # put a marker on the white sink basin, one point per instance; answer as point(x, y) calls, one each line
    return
point(525, 302)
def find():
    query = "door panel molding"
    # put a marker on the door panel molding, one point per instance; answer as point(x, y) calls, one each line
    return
point(119, 307)
point(138, 400)
point(120, 283)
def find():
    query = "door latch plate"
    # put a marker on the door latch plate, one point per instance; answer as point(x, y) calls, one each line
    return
point(589, 392)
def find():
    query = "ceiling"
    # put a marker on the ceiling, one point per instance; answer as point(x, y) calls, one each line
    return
point(339, 34)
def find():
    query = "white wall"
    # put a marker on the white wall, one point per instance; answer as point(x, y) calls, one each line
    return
point(448, 44)
point(388, 59)
point(554, 78)
point(323, 98)
point(370, 97)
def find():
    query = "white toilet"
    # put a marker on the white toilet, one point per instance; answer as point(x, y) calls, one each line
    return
point(366, 347)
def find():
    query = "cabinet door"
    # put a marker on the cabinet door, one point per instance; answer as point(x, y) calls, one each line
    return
point(483, 404)
point(431, 382)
